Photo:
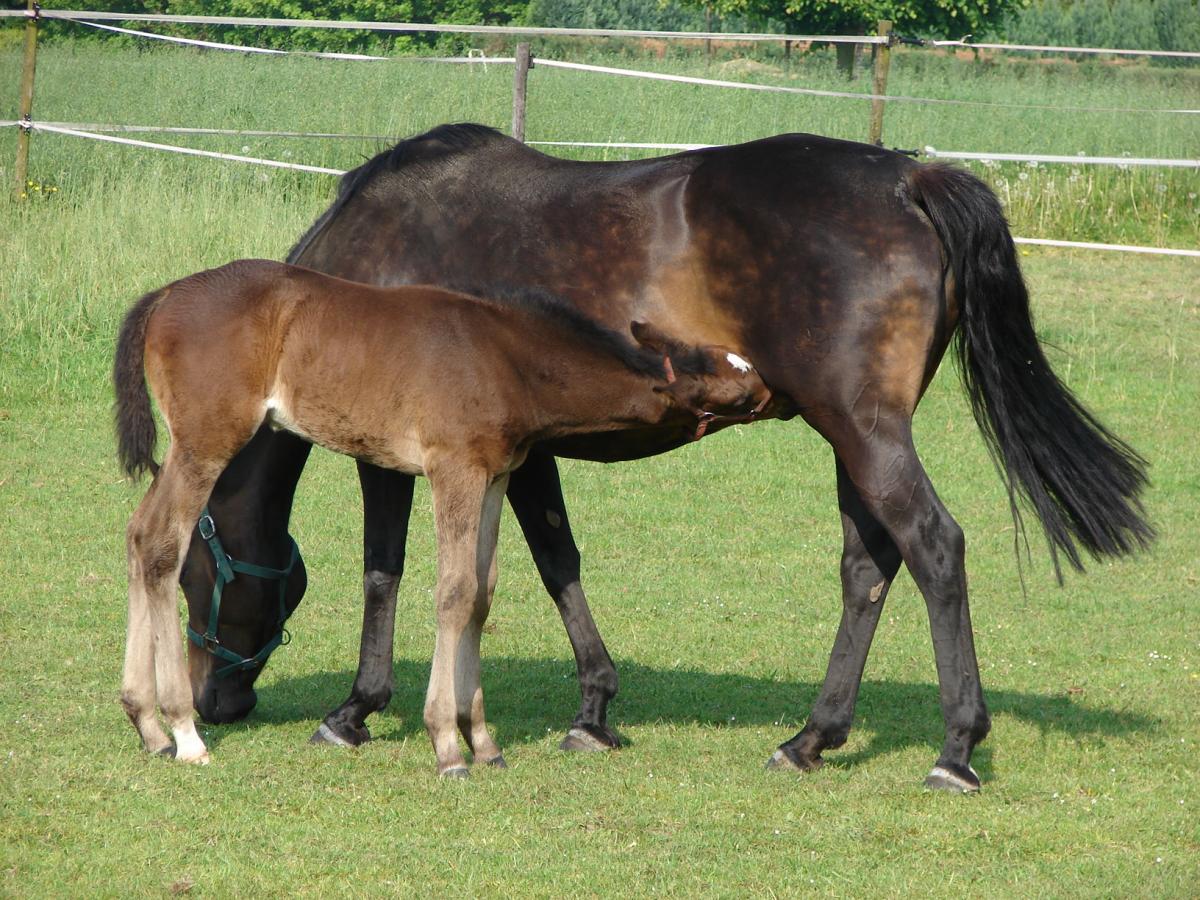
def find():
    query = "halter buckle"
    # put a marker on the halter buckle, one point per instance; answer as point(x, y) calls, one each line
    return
point(207, 527)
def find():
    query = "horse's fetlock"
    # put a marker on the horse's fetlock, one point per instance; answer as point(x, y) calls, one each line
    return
point(603, 681)
point(376, 698)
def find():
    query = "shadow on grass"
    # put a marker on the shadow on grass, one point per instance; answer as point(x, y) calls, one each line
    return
point(528, 697)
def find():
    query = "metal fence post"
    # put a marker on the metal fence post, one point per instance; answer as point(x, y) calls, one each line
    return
point(520, 89)
point(883, 54)
point(28, 67)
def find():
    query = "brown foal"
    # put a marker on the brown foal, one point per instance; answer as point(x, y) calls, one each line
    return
point(417, 379)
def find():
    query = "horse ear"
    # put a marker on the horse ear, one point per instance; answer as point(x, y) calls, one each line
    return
point(651, 338)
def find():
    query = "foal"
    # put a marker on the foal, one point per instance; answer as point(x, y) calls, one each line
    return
point(416, 379)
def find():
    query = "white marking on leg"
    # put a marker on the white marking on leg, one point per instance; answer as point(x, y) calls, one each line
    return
point(738, 363)
point(188, 745)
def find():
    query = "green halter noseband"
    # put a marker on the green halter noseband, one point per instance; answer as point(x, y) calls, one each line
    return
point(227, 568)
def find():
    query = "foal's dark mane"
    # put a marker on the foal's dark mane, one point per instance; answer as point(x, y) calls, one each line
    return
point(461, 136)
point(553, 308)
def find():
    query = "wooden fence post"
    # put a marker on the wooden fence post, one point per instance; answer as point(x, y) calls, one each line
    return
point(883, 54)
point(520, 88)
point(26, 102)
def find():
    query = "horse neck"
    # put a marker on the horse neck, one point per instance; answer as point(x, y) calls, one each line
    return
point(594, 391)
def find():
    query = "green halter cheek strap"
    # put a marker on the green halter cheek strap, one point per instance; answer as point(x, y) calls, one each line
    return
point(227, 569)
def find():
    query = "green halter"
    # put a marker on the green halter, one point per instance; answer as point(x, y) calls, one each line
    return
point(227, 568)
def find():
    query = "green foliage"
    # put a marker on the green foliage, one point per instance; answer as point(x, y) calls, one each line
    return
point(646, 15)
point(927, 18)
point(1128, 24)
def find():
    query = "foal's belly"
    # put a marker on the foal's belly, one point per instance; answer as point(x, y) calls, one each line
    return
point(387, 445)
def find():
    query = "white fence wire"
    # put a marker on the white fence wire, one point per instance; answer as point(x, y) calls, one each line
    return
point(279, 164)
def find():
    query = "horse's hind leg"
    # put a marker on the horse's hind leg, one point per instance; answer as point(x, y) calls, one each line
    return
point(882, 463)
point(869, 563)
point(469, 689)
point(537, 501)
point(466, 512)
point(138, 683)
point(387, 504)
point(156, 540)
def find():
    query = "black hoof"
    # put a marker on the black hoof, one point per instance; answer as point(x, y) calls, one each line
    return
point(953, 778)
point(785, 760)
point(497, 762)
point(457, 772)
point(353, 738)
point(167, 751)
point(590, 739)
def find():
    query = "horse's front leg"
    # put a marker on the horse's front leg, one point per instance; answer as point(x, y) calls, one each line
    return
point(466, 509)
point(387, 504)
point(536, 497)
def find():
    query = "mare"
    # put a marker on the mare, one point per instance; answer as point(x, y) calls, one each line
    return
point(843, 270)
point(414, 379)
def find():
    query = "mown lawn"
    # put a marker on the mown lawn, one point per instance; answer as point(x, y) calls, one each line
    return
point(712, 573)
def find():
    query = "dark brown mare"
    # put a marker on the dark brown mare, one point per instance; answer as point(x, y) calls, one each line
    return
point(842, 270)
point(414, 379)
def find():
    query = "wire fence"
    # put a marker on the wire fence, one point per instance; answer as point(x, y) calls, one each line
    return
point(105, 132)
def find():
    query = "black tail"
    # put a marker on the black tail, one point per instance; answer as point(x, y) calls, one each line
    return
point(1081, 480)
point(136, 432)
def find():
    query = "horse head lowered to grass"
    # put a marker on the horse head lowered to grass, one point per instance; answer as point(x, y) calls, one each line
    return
point(844, 271)
point(416, 379)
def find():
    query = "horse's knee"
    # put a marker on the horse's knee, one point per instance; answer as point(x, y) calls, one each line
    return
point(155, 555)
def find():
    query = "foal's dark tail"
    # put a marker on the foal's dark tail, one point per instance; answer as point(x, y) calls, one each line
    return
point(1081, 480)
point(136, 432)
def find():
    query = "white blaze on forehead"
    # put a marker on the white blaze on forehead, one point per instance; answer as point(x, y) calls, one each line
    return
point(738, 363)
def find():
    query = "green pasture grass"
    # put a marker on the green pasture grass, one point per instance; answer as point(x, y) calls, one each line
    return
point(712, 573)
point(184, 87)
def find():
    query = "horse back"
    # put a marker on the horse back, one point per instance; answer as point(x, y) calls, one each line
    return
point(796, 250)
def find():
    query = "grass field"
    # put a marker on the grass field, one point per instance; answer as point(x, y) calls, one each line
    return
point(719, 611)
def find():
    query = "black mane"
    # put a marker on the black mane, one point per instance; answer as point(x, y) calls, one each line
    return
point(556, 309)
point(458, 137)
